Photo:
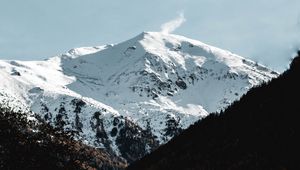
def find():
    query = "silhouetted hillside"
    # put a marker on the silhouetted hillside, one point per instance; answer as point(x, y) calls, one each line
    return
point(261, 131)
point(25, 145)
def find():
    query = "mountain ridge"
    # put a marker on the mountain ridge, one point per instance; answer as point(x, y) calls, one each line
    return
point(131, 97)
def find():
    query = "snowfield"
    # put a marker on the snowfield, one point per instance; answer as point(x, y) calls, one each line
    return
point(133, 96)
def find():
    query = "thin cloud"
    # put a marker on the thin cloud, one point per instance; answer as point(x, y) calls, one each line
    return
point(172, 25)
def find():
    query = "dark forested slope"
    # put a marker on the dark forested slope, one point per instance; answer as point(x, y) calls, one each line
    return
point(261, 131)
point(27, 145)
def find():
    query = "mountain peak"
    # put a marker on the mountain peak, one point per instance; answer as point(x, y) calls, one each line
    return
point(169, 47)
point(151, 87)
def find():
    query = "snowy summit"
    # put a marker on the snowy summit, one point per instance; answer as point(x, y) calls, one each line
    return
point(131, 97)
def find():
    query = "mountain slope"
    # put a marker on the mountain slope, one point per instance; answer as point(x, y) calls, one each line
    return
point(261, 131)
point(27, 145)
point(131, 97)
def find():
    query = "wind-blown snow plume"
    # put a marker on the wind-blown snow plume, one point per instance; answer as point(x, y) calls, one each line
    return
point(172, 25)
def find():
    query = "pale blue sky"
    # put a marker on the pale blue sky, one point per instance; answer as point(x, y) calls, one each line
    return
point(267, 31)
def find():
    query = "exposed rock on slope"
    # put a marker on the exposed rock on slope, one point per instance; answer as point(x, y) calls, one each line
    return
point(261, 131)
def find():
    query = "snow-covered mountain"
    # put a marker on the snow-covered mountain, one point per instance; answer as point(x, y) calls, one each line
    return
point(133, 96)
